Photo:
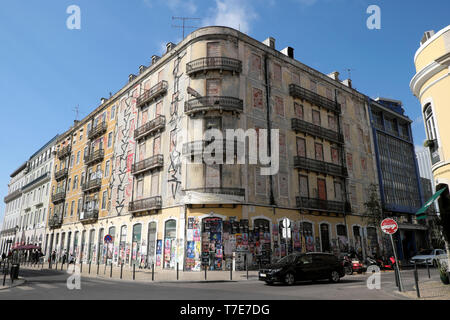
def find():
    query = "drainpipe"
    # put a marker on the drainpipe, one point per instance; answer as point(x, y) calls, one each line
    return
point(269, 126)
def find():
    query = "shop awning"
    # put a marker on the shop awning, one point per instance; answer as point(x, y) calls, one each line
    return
point(421, 213)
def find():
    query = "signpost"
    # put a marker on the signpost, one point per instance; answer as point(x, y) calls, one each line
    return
point(390, 227)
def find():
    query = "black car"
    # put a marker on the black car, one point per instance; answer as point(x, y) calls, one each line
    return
point(301, 267)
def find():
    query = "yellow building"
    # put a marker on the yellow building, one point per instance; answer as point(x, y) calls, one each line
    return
point(80, 185)
point(431, 85)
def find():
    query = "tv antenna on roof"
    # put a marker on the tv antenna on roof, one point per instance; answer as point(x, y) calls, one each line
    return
point(184, 26)
point(349, 72)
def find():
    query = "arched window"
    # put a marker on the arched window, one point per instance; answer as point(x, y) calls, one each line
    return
point(122, 244)
point(325, 237)
point(151, 242)
point(170, 235)
point(100, 253)
point(136, 245)
point(429, 122)
point(341, 232)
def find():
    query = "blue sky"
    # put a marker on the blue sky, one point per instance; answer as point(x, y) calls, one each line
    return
point(47, 70)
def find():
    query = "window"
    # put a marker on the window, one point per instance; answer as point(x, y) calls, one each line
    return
point(110, 139)
point(429, 123)
point(277, 72)
point(303, 186)
point(107, 168)
point(255, 65)
point(104, 199)
point(65, 209)
point(79, 207)
point(113, 112)
point(279, 106)
point(332, 123)
point(72, 208)
point(71, 161)
point(301, 147)
point(257, 98)
point(350, 161)
point(316, 117)
point(298, 109)
point(68, 185)
point(75, 183)
point(78, 157)
point(319, 151)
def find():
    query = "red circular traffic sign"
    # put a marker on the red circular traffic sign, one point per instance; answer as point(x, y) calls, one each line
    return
point(389, 226)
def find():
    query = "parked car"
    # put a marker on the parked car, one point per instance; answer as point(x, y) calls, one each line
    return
point(429, 256)
point(303, 267)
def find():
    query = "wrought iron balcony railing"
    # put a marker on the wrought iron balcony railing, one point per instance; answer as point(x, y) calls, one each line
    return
point(314, 98)
point(13, 195)
point(238, 192)
point(58, 196)
point(94, 157)
point(89, 216)
point(153, 93)
point(213, 63)
point(55, 221)
point(213, 103)
point(153, 203)
point(64, 152)
point(92, 185)
point(322, 205)
point(61, 174)
point(320, 166)
point(98, 130)
point(198, 147)
point(150, 127)
point(317, 131)
point(148, 164)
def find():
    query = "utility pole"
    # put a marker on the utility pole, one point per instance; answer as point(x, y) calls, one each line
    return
point(184, 26)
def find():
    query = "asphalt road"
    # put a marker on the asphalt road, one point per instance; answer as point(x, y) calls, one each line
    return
point(51, 285)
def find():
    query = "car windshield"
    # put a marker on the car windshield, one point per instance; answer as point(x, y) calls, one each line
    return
point(288, 259)
point(426, 252)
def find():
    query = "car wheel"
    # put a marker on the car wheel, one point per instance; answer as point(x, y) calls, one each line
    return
point(289, 279)
point(335, 277)
point(349, 271)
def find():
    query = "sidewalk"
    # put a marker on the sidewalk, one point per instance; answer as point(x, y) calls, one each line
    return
point(430, 290)
point(145, 275)
point(8, 285)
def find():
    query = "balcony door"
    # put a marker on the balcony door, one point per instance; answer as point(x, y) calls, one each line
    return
point(144, 117)
point(321, 189)
point(319, 151)
point(157, 146)
point(213, 87)
point(212, 172)
point(213, 51)
point(141, 156)
point(301, 147)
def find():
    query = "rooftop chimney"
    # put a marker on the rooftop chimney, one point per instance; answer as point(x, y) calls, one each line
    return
point(170, 46)
point(103, 100)
point(334, 75)
point(142, 69)
point(288, 51)
point(131, 77)
point(426, 36)
point(155, 59)
point(270, 42)
point(348, 83)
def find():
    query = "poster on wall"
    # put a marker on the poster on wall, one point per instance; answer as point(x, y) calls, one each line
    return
point(309, 244)
point(158, 252)
point(190, 250)
point(197, 235)
point(189, 235)
point(191, 223)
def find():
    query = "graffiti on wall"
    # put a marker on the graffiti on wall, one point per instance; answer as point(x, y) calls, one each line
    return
point(174, 168)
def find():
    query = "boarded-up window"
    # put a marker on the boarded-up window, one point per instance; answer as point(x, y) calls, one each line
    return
point(284, 185)
point(301, 147)
point(332, 123)
point(279, 106)
point(321, 189)
point(140, 189)
point(142, 151)
point(213, 49)
point(212, 176)
point(260, 182)
point(313, 86)
point(257, 98)
point(298, 109)
point(157, 146)
point(364, 164)
point(282, 145)
point(277, 72)
point(296, 78)
point(255, 65)
point(158, 110)
point(144, 118)
point(329, 93)
point(319, 151)
point(334, 155)
point(316, 117)
point(350, 161)
point(212, 87)
point(155, 184)
point(303, 186)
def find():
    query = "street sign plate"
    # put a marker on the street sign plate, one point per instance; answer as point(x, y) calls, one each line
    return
point(389, 226)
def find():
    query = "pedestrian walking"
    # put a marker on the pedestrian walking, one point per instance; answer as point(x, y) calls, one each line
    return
point(53, 257)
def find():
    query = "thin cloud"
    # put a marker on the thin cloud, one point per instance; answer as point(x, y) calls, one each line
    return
point(237, 14)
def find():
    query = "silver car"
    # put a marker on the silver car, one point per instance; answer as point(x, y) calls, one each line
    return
point(429, 256)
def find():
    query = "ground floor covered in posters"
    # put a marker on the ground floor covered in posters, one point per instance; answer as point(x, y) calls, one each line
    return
point(198, 236)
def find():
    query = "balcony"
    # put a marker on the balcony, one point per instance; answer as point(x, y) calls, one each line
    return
point(94, 157)
point(144, 205)
point(320, 167)
point(213, 63)
point(64, 152)
point(55, 221)
point(39, 179)
point(237, 192)
point(321, 205)
point(151, 163)
point(314, 98)
point(150, 127)
point(194, 148)
point(317, 131)
point(61, 174)
point(152, 94)
point(59, 196)
point(213, 103)
point(13, 195)
point(98, 131)
point(92, 185)
point(89, 216)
